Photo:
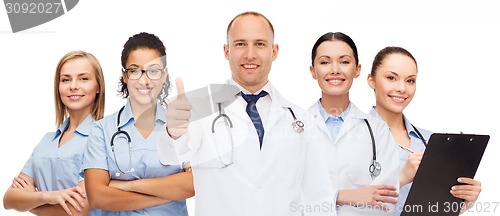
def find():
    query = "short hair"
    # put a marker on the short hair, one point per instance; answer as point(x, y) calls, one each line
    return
point(149, 41)
point(331, 36)
point(98, 106)
point(253, 13)
point(382, 54)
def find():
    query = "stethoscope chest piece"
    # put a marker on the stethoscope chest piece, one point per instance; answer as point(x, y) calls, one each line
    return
point(298, 126)
point(375, 168)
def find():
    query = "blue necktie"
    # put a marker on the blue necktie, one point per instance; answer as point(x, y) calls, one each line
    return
point(254, 114)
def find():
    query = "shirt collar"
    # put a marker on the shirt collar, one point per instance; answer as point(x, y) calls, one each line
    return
point(409, 127)
point(83, 128)
point(326, 115)
point(127, 114)
point(268, 88)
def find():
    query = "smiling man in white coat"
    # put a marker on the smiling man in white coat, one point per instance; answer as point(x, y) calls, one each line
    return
point(259, 155)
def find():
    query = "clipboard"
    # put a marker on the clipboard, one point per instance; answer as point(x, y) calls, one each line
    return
point(447, 157)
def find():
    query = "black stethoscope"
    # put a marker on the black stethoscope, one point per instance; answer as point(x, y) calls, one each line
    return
point(118, 132)
point(375, 167)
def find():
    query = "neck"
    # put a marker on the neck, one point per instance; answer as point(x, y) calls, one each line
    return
point(76, 117)
point(144, 116)
point(335, 105)
point(392, 119)
point(252, 88)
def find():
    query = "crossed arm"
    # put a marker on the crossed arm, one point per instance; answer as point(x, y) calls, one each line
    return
point(115, 195)
point(23, 196)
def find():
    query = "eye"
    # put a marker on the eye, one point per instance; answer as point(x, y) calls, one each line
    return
point(153, 71)
point(134, 71)
point(391, 78)
point(411, 81)
point(344, 62)
point(84, 78)
point(324, 62)
point(260, 44)
point(63, 80)
point(239, 44)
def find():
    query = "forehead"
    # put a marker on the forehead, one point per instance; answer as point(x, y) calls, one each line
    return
point(144, 57)
point(250, 27)
point(77, 65)
point(399, 63)
point(334, 48)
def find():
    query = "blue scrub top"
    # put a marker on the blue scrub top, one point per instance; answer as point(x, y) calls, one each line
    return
point(145, 160)
point(417, 145)
point(54, 168)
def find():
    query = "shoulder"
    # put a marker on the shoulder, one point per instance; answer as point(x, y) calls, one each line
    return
point(425, 133)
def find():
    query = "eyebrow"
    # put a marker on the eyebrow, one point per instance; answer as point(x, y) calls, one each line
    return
point(137, 66)
point(326, 56)
point(81, 74)
point(396, 74)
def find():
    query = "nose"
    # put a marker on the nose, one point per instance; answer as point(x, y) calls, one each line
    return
point(74, 84)
point(401, 88)
point(250, 53)
point(144, 79)
point(335, 69)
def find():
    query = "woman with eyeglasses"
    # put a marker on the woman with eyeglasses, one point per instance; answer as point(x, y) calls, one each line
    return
point(51, 181)
point(394, 81)
point(124, 173)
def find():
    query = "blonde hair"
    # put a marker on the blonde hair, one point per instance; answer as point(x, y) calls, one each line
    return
point(98, 106)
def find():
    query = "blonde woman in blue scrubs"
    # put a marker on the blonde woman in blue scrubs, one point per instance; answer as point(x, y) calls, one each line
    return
point(123, 173)
point(394, 80)
point(51, 182)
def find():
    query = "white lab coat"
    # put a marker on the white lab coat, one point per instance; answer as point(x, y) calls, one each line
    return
point(351, 155)
point(288, 175)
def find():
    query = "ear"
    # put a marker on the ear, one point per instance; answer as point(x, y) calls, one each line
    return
point(371, 81)
point(275, 51)
point(226, 51)
point(358, 71)
point(124, 75)
point(313, 73)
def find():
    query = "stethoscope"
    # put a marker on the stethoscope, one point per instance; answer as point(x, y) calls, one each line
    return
point(375, 168)
point(118, 132)
point(297, 125)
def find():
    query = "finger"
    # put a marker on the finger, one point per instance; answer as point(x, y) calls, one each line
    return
point(74, 201)
point(469, 181)
point(385, 187)
point(389, 193)
point(66, 208)
point(22, 181)
point(180, 114)
point(16, 183)
point(387, 199)
point(180, 87)
point(80, 191)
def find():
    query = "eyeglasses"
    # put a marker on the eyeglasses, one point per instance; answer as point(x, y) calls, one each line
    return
point(152, 74)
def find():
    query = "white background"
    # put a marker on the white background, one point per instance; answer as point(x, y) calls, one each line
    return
point(455, 43)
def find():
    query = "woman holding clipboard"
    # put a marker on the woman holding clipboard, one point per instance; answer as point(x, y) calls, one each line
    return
point(393, 78)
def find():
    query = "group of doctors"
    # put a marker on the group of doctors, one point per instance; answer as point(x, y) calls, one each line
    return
point(257, 154)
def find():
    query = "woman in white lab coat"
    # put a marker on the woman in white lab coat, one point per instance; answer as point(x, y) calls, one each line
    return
point(363, 155)
point(393, 78)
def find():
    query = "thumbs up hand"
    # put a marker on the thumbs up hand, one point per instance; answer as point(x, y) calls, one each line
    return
point(178, 113)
